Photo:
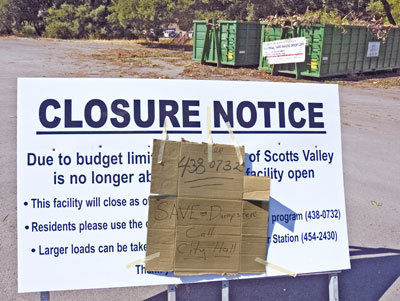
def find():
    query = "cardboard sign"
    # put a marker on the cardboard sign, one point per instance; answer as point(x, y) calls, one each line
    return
point(285, 51)
point(206, 227)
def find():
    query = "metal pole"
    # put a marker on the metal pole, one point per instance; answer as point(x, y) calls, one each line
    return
point(44, 296)
point(171, 293)
point(217, 43)
point(225, 290)
point(333, 287)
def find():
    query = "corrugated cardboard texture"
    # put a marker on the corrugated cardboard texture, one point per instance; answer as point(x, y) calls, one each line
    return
point(205, 226)
point(161, 231)
point(165, 175)
point(254, 236)
point(222, 178)
point(256, 188)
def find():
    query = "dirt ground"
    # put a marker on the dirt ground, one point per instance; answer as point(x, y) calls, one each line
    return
point(370, 112)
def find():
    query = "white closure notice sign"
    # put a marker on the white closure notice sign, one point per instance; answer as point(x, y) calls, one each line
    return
point(84, 171)
point(285, 51)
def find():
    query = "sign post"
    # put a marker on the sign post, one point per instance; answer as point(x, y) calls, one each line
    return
point(333, 287)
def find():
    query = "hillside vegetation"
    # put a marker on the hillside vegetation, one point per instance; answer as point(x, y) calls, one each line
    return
point(111, 19)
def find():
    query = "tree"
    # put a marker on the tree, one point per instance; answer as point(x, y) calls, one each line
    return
point(392, 11)
point(387, 8)
point(30, 12)
point(183, 12)
point(139, 15)
point(68, 21)
point(6, 20)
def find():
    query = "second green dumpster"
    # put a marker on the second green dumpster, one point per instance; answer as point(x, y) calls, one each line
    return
point(333, 50)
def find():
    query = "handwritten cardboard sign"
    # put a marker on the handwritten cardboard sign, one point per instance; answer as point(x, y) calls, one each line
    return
point(201, 221)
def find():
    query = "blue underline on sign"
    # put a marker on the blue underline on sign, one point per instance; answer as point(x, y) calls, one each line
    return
point(270, 132)
point(111, 132)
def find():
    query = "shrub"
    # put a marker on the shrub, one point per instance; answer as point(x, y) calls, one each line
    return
point(5, 18)
point(68, 21)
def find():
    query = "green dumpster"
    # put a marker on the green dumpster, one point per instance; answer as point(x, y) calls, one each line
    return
point(233, 43)
point(333, 50)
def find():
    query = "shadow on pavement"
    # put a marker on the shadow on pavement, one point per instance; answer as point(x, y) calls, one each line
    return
point(368, 279)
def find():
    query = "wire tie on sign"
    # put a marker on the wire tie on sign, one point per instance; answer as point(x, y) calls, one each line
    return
point(275, 267)
point(210, 141)
point(163, 139)
point(237, 147)
point(143, 260)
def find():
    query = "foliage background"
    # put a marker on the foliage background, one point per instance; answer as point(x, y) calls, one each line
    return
point(108, 19)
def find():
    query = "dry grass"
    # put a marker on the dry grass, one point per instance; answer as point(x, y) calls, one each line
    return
point(142, 53)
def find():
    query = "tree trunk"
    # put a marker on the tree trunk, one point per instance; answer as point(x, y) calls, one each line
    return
point(386, 7)
point(356, 6)
point(37, 29)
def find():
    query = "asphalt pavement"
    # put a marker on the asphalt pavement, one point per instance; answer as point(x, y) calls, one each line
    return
point(371, 159)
